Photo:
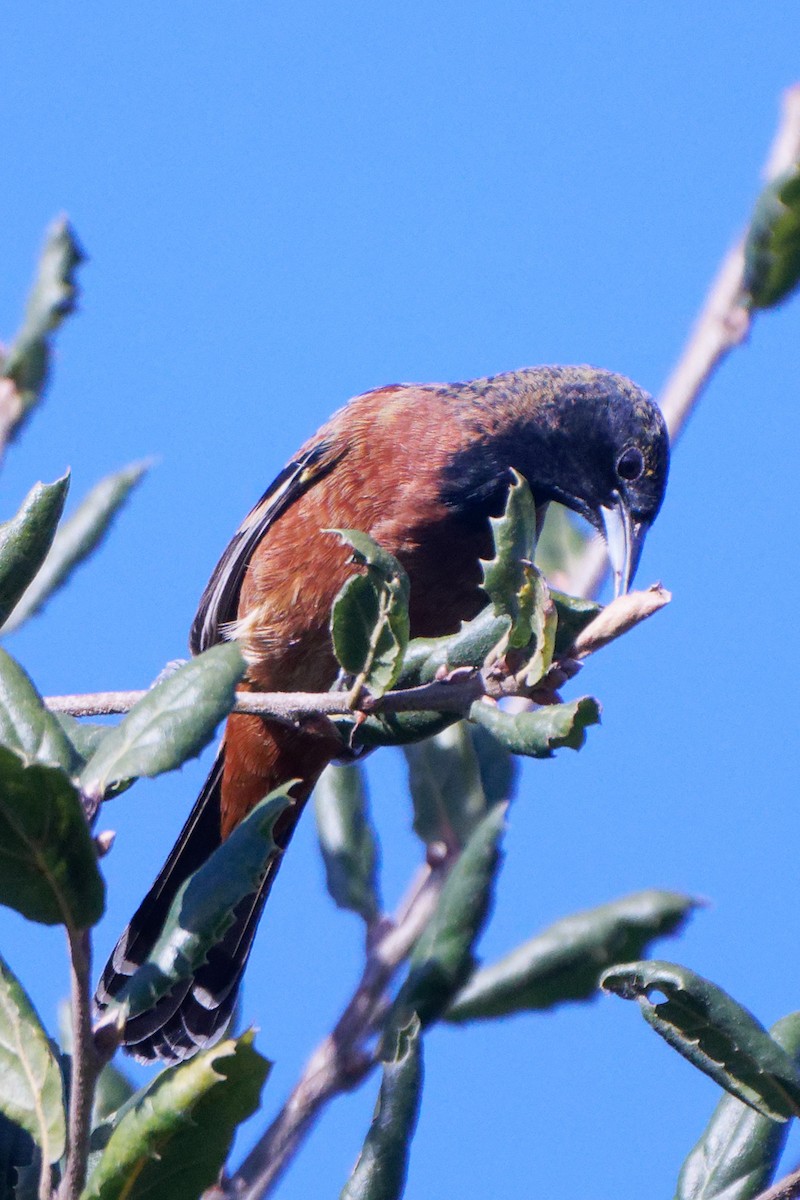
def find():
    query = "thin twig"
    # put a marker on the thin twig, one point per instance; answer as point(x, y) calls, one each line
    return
point(342, 1060)
point(787, 1188)
point(722, 324)
point(85, 1065)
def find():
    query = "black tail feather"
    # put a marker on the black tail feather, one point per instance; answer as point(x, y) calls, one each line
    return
point(197, 1012)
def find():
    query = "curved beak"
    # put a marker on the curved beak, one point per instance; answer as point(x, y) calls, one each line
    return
point(624, 539)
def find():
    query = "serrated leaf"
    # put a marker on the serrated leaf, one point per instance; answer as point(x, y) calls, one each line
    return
point(48, 865)
point(446, 787)
point(369, 618)
point(26, 539)
point(716, 1034)
point(173, 722)
point(539, 733)
point(543, 621)
point(426, 658)
point(75, 540)
point(382, 1166)
point(32, 1092)
point(442, 959)
point(51, 299)
point(564, 962)
point(772, 246)
point(174, 1142)
point(737, 1156)
point(204, 907)
point(507, 576)
point(26, 726)
point(347, 840)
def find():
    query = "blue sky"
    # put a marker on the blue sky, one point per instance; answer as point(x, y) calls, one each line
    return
point(286, 205)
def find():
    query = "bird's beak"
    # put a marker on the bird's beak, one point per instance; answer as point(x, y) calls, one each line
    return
point(624, 538)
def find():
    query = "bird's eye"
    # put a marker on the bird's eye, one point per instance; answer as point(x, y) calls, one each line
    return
point(631, 464)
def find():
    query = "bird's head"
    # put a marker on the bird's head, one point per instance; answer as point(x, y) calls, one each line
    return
point(600, 446)
point(589, 439)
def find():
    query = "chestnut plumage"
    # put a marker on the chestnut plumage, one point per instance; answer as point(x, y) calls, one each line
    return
point(420, 468)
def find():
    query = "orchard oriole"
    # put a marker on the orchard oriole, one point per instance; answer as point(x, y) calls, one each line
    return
point(420, 468)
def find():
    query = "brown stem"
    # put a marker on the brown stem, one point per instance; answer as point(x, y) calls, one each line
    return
point(787, 1188)
point(85, 1065)
point(342, 1059)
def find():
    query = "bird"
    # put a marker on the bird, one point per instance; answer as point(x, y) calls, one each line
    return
point(421, 468)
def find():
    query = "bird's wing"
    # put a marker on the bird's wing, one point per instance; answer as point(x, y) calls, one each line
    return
point(220, 600)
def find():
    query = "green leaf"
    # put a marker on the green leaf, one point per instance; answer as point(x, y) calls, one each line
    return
point(561, 543)
point(52, 298)
point(544, 623)
point(391, 729)
point(347, 840)
point(717, 1035)
point(574, 614)
point(382, 1166)
point(84, 736)
point(77, 537)
point(498, 768)
point(32, 1093)
point(26, 539)
point(173, 1143)
point(565, 961)
point(48, 865)
point(538, 733)
point(772, 247)
point(369, 618)
point(26, 725)
point(507, 577)
point(426, 658)
point(446, 788)
point(442, 959)
point(204, 907)
point(114, 1089)
point(737, 1156)
point(172, 723)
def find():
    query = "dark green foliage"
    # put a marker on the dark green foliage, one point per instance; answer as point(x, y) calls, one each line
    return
point(77, 538)
point(565, 961)
point(538, 733)
point(53, 297)
point(719, 1036)
point(31, 1096)
point(736, 1157)
point(203, 909)
point(48, 864)
point(347, 840)
point(442, 958)
point(26, 539)
point(382, 1166)
point(174, 721)
point(369, 618)
point(173, 1142)
point(772, 248)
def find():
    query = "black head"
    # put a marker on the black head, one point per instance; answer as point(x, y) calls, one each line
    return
point(587, 438)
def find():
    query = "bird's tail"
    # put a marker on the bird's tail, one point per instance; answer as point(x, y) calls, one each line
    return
point(197, 1011)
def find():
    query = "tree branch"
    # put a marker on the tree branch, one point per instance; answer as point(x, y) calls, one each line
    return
point(342, 1060)
point(453, 694)
point(722, 324)
point(85, 1065)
